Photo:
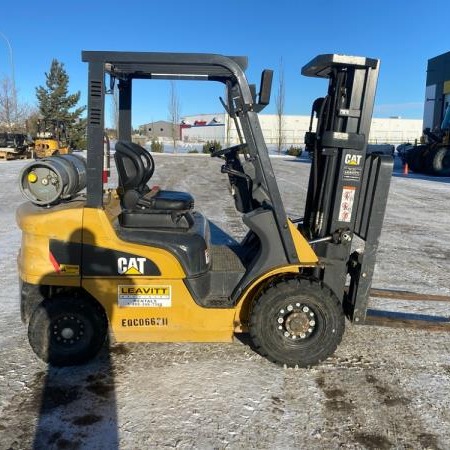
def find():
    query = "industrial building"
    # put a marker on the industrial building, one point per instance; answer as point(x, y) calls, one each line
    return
point(160, 129)
point(207, 127)
point(437, 93)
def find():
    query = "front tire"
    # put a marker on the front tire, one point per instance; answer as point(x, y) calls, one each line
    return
point(67, 331)
point(297, 322)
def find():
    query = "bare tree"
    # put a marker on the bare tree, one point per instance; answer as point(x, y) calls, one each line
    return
point(14, 115)
point(8, 105)
point(174, 114)
point(279, 102)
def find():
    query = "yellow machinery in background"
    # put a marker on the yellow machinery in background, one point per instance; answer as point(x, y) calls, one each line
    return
point(51, 139)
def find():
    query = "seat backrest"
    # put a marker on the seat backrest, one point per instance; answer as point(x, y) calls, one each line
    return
point(135, 166)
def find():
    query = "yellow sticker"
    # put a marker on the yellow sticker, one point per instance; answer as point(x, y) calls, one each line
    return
point(69, 269)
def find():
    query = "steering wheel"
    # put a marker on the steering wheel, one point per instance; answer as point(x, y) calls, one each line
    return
point(227, 151)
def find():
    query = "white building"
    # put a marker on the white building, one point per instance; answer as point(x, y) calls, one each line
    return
point(208, 127)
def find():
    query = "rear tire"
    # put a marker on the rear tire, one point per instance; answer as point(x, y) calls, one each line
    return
point(67, 331)
point(297, 323)
point(441, 162)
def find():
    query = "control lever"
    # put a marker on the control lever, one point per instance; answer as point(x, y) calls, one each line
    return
point(236, 173)
point(338, 237)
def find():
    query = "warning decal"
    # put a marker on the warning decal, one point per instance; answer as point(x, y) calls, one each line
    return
point(145, 295)
point(69, 269)
point(347, 200)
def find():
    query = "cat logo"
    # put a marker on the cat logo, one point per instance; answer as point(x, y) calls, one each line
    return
point(352, 160)
point(131, 266)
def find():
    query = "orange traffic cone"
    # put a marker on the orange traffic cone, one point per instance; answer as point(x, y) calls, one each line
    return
point(405, 168)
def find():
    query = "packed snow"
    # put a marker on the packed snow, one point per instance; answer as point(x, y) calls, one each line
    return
point(383, 388)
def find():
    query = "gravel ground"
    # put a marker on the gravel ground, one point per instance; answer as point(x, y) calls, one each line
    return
point(383, 388)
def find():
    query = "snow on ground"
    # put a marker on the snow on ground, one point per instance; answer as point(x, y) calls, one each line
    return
point(384, 388)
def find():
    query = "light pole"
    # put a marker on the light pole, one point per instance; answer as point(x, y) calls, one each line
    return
point(13, 78)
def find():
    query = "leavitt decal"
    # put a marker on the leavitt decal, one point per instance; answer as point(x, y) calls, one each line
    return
point(144, 296)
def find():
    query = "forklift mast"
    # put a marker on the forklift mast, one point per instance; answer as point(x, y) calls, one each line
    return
point(348, 189)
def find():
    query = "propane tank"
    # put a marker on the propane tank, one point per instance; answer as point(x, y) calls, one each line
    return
point(50, 180)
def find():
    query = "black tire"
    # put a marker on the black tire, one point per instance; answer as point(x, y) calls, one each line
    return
point(429, 168)
point(441, 162)
point(296, 323)
point(67, 331)
point(415, 158)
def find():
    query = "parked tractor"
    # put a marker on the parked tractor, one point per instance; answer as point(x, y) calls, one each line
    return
point(433, 156)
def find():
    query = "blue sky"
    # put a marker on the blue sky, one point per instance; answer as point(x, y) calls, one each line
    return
point(403, 34)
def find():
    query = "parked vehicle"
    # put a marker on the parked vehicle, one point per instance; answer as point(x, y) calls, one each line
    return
point(433, 156)
point(14, 146)
point(51, 139)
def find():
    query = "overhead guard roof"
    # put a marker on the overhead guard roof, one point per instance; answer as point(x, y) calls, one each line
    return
point(322, 65)
point(168, 65)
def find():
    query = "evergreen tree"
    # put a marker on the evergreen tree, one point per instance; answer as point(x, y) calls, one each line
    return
point(55, 103)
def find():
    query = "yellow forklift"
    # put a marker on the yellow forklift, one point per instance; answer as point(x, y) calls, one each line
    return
point(145, 263)
point(51, 139)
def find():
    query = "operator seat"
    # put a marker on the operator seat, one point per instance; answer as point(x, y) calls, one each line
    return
point(143, 207)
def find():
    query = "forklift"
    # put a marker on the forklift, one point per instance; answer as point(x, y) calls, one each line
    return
point(51, 138)
point(142, 262)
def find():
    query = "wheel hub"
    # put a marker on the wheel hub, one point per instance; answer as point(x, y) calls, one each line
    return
point(296, 321)
point(67, 333)
point(68, 330)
